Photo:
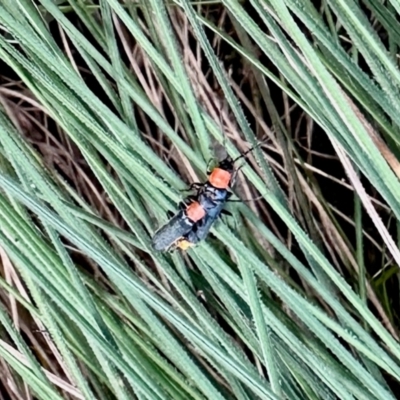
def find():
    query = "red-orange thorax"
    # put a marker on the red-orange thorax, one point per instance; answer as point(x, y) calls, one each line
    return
point(195, 211)
point(220, 178)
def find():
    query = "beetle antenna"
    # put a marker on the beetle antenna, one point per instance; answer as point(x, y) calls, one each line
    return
point(250, 150)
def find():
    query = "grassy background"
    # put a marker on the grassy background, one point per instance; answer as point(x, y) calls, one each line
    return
point(109, 109)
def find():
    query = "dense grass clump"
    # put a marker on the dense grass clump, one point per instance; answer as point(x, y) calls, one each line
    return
point(110, 109)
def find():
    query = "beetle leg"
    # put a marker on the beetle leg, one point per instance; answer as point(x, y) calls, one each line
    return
point(194, 185)
point(187, 201)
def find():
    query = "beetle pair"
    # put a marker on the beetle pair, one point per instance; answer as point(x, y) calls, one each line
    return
point(197, 213)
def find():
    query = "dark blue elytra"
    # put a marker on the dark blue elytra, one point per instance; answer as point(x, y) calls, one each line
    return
point(213, 201)
point(178, 226)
